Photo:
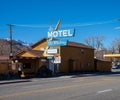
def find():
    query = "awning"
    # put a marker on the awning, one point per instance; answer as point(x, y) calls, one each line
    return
point(112, 56)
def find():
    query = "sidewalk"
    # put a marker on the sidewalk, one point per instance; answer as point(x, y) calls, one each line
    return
point(62, 75)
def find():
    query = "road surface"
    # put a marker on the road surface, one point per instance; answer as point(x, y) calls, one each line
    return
point(88, 87)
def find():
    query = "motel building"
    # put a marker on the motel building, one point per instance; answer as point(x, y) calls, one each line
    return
point(73, 57)
point(52, 55)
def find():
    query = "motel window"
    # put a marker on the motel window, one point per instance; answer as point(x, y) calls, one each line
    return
point(42, 49)
point(82, 51)
point(80, 66)
point(26, 66)
point(88, 64)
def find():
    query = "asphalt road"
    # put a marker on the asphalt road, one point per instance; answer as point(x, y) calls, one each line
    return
point(85, 87)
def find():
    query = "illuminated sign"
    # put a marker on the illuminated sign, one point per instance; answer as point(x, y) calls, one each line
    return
point(57, 43)
point(61, 33)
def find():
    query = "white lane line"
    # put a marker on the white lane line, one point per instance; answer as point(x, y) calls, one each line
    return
point(103, 91)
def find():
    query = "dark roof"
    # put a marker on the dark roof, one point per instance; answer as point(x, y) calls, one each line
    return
point(4, 57)
point(36, 53)
point(70, 43)
point(75, 44)
point(98, 59)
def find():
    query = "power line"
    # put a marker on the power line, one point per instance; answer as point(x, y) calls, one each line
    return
point(68, 25)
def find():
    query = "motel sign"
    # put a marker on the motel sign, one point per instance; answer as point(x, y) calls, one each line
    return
point(61, 33)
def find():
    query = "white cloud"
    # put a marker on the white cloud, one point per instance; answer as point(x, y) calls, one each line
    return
point(88, 24)
point(32, 26)
point(117, 28)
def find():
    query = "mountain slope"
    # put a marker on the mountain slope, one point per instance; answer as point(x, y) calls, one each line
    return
point(16, 47)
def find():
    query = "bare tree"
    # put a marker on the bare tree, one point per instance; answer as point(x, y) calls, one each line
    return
point(99, 42)
point(95, 41)
point(115, 45)
point(90, 41)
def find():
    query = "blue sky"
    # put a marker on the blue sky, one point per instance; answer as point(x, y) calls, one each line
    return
point(32, 18)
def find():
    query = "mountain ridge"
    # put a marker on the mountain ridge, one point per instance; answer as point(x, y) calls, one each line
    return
point(17, 47)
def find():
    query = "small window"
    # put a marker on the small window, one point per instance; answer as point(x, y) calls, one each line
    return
point(42, 49)
point(82, 51)
point(26, 66)
point(88, 64)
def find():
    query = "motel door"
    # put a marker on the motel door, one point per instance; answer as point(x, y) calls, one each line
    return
point(53, 67)
point(70, 65)
point(95, 65)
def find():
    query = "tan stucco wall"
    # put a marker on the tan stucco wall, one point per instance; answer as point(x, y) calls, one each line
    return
point(41, 45)
point(83, 59)
point(104, 66)
point(4, 68)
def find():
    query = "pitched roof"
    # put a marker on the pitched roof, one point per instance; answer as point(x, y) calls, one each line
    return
point(98, 59)
point(36, 53)
point(75, 44)
point(44, 39)
point(70, 43)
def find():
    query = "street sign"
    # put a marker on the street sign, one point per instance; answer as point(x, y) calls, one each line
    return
point(57, 42)
point(43, 60)
point(61, 33)
point(50, 57)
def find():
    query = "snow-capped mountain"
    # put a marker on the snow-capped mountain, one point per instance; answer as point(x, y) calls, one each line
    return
point(25, 43)
point(17, 46)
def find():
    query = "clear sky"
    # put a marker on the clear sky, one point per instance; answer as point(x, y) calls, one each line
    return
point(32, 18)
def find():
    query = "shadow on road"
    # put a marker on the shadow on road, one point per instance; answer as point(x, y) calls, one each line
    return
point(88, 74)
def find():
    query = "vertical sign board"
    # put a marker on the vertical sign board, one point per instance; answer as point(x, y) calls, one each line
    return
point(57, 59)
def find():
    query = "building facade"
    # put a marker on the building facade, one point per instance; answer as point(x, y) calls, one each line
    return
point(75, 57)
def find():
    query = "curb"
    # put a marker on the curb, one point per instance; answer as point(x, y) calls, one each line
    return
point(13, 81)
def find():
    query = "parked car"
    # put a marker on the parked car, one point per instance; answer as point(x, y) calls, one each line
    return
point(115, 66)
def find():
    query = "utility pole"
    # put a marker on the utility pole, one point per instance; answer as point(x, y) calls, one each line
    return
point(11, 51)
